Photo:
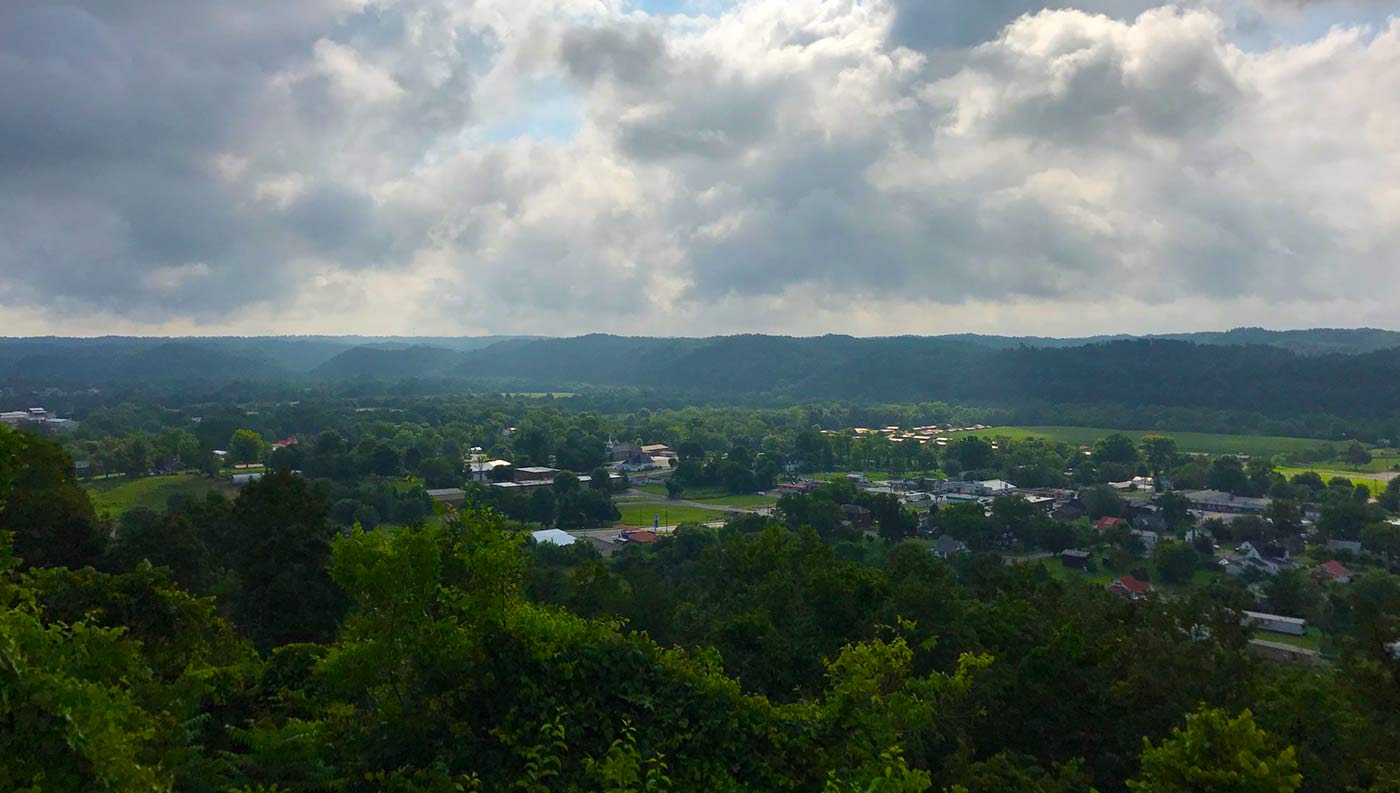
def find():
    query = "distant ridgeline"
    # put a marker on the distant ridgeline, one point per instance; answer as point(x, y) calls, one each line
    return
point(1353, 373)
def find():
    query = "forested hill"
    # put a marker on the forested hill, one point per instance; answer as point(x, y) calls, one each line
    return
point(1136, 372)
point(1257, 378)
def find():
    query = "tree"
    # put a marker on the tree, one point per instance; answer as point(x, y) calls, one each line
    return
point(1383, 538)
point(1116, 448)
point(600, 479)
point(1293, 593)
point(966, 522)
point(894, 521)
point(1227, 474)
point(674, 488)
point(1390, 497)
point(543, 507)
point(1100, 501)
point(1160, 453)
point(1357, 454)
point(1176, 510)
point(440, 471)
point(281, 544)
point(1176, 561)
point(1220, 754)
point(246, 446)
point(47, 511)
point(972, 453)
point(1286, 516)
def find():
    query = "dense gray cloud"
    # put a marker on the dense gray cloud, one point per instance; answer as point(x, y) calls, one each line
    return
point(511, 165)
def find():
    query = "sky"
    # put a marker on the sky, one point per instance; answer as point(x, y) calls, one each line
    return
point(697, 167)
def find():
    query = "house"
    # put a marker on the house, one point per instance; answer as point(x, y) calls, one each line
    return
point(1149, 540)
point(657, 450)
point(621, 452)
point(1351, 546)
point(1043, 503)
point(451, 496)
point(946, 547)
point(1218, 501)
point(638, 536)
point(994, 487)
point(805, 486)
point(1075, 560)
point(1105, 523)
point(1068, 512)
point(240, 480)
point(1130, 587)
point(480, 470)
point(538, 473)
point(1261, 557)
point(553, 537)
point(858, 516)
point(643, 462)
point(1332, 570)
point(285, 442)
point(1274, 623)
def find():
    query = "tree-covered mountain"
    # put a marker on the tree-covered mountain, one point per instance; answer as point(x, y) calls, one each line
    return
point(910, 369)
point(389, 362)
point(1221, 372)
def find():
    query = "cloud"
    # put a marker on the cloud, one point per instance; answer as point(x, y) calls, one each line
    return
point(881, 166)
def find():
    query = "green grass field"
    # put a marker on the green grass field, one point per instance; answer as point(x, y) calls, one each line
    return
point(1312, 640)
point(116, 496)
point(1103, 577)
point(711, 495)
point(1199, 442)
point(641, 514)
point(1373, 482)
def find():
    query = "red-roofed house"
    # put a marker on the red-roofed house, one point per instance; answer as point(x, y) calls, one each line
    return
point(1332, 571)
point(642, 537)
point(285, 442)
point(1127, 585)
point(1105, 523)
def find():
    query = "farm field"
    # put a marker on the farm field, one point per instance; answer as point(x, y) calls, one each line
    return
point(116, 496)
point(639, 514)
point(1375, 482)
point(1198, 442)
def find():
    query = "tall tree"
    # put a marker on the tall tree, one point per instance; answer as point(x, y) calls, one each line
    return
point(246, 446)
point(1218, 753)
point(282, 533)
point(49, 513)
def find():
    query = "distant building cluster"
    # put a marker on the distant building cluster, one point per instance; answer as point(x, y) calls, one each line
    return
point(929, 433)
point(35, 417)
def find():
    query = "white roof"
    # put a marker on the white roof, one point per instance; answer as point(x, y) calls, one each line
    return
point(997, 484)
point(554, 537)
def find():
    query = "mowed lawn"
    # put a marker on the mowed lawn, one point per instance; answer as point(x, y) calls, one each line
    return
point(638, 514)
point(1198, 442)
point(116, 496)
point(714, 495)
